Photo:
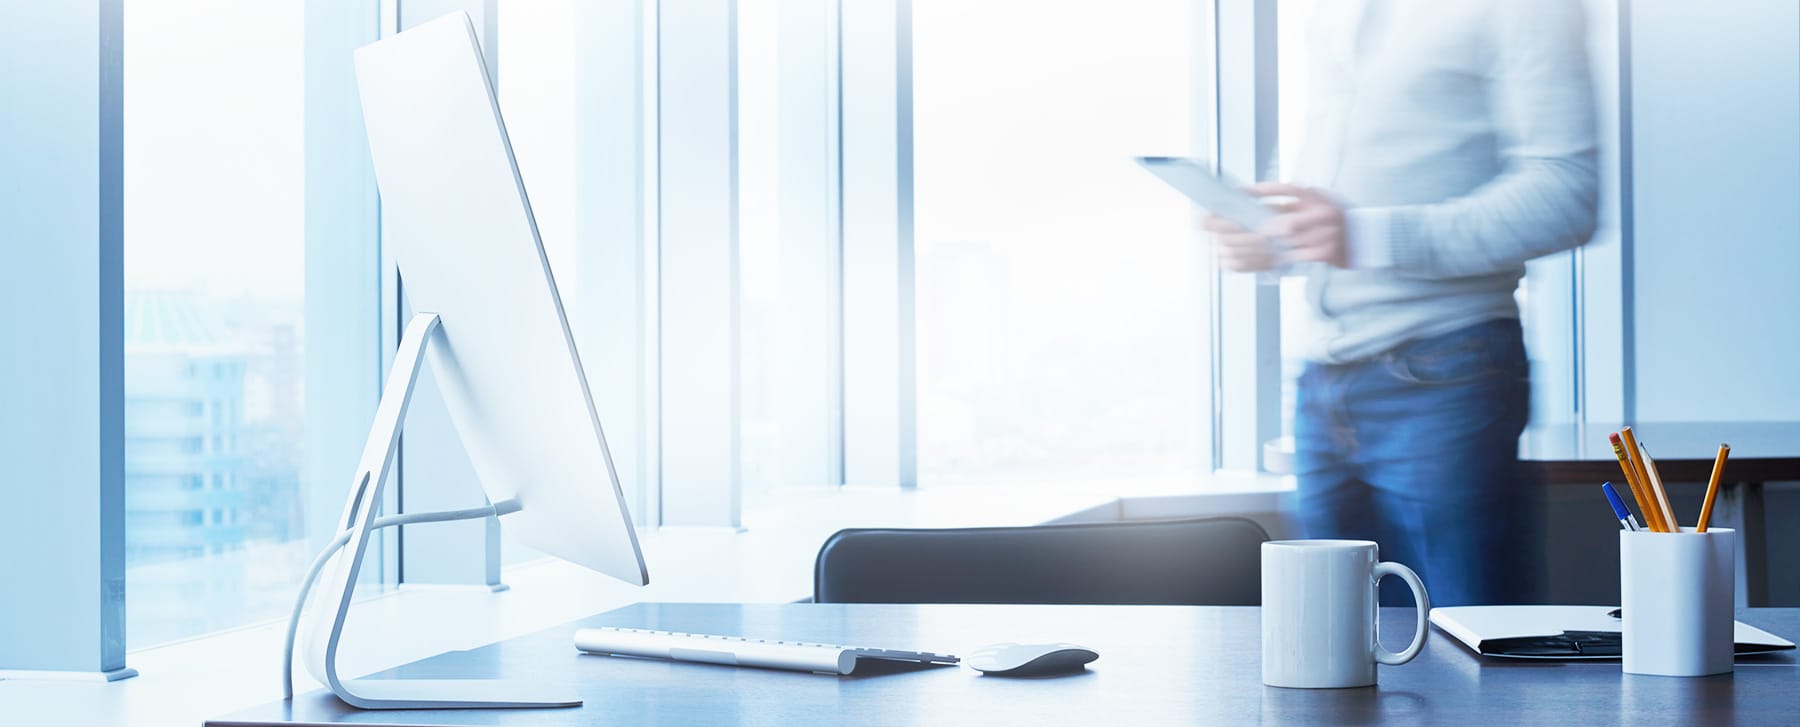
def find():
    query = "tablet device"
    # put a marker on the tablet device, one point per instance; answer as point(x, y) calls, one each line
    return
point(1214, 192)
point(1218, 194)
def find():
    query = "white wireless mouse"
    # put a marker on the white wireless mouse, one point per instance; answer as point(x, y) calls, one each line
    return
point(1029, 660)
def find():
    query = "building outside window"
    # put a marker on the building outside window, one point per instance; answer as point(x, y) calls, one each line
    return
point(214, 237)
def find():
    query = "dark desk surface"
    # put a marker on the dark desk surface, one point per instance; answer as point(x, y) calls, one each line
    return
point(1158, 665)
point(1684, 451)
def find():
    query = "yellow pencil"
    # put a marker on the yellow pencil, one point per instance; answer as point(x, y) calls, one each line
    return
point(1648, 503)
point(1712, 488)
point(1637, 486)
point(1662, 495)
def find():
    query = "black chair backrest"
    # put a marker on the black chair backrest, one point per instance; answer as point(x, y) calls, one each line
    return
point(1210, 561)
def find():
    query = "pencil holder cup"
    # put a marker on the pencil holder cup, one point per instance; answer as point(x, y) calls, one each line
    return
point(1677, 591)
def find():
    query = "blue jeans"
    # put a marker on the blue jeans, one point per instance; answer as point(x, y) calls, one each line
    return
point(1417, 450)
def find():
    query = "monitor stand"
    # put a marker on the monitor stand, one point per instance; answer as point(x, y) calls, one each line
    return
point(327, 608)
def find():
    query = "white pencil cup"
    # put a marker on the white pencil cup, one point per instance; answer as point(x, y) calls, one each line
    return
point(1677, 591)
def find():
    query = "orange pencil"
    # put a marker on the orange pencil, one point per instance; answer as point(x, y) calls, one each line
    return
point(1648, 503)
point(1631, 481)
point(1712, 488)
point(1656, 487)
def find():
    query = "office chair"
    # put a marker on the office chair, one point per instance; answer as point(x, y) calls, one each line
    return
point(1207, 561)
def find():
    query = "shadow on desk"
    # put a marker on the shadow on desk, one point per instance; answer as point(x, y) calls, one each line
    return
point(1158, 665)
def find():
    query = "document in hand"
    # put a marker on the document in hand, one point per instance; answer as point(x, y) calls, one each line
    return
point(1561, 632)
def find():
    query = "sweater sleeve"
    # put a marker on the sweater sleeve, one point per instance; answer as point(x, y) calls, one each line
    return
point(1546, 197)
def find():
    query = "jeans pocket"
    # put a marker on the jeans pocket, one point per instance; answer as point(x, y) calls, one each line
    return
point(1458, 358)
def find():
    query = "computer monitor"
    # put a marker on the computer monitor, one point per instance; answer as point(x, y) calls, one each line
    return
point(493, 329)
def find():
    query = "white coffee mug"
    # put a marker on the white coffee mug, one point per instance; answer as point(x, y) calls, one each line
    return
point(1318, 613)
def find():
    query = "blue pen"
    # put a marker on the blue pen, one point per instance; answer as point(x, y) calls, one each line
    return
point(1626, 519)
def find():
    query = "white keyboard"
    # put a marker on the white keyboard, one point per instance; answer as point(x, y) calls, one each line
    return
point(740, 651)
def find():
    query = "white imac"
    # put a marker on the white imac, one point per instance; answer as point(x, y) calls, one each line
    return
point(493, 329)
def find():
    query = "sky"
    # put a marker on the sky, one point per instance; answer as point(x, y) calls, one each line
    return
point(214, 146)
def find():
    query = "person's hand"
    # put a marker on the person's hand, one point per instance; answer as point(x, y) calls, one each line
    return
point(1240, 250)
point(1310, 224)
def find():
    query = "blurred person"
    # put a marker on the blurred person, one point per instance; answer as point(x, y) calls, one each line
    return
point(1446, 144)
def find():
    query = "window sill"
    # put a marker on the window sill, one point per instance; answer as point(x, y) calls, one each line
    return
point(770, 560)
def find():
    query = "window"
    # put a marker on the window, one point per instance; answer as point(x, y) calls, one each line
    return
point(788, 248)
point(573, 135)
point(1293, 89)
point(214, 241)
point(1061, 309)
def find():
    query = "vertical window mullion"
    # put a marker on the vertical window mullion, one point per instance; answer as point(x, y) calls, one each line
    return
point(1246, 311)
point(878, 336)
point(699, 275)
point(611, 244)
point(1204, 71)
point(788, 156)
point(1603, 303)
point(62, 378)
point(649, 338)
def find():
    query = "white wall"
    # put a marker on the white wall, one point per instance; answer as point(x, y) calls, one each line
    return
point(1716, 184)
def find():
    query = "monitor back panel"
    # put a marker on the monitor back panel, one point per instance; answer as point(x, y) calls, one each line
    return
point(458, 222)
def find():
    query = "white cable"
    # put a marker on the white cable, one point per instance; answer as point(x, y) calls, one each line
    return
point(312, 572)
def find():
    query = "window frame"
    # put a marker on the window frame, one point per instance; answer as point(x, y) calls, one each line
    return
point(876, 211)
point(797, 86)
point(344, 363)
point(64, 383)
point(1246, 345)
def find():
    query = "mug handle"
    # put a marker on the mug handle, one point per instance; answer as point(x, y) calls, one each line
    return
point(1424, 606)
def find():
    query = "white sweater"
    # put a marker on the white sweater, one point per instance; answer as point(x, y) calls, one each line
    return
point(1461, 136)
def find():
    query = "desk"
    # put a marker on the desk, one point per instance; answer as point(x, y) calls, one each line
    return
point(1580, 454)
point(1158, 665)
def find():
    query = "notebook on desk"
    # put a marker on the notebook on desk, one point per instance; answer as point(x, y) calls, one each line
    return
point(1561, 632)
